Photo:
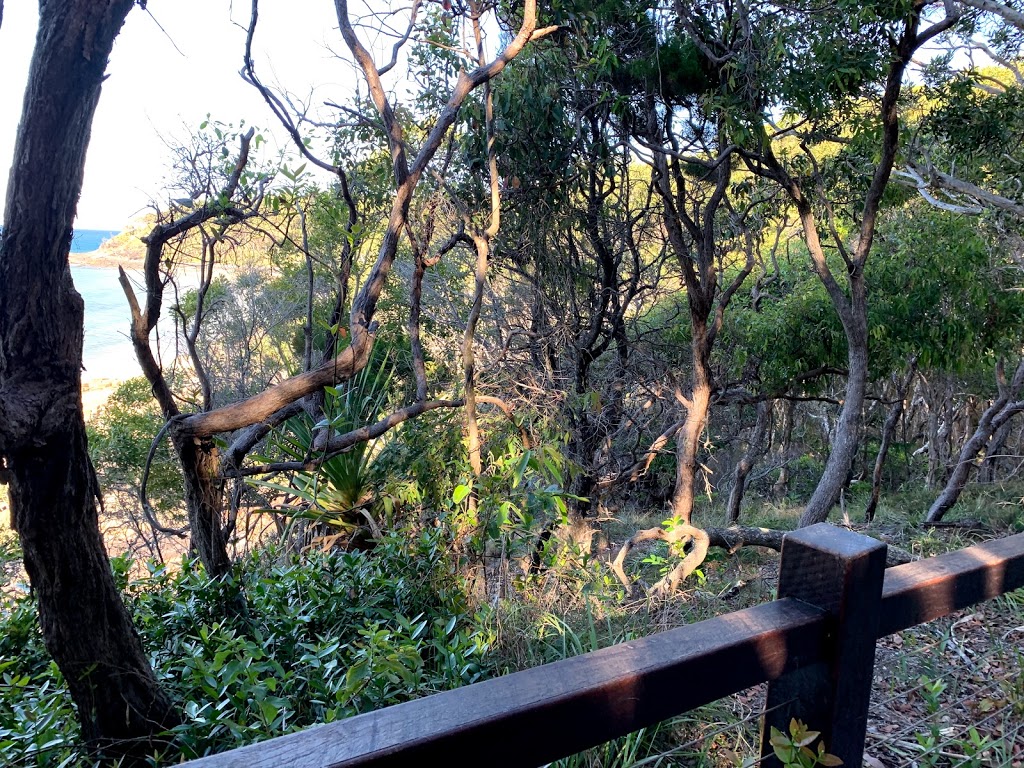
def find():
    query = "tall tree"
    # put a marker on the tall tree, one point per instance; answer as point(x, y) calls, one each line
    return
point(43, 454)
point(211, 216)
point(825, 91)
point(251, 419)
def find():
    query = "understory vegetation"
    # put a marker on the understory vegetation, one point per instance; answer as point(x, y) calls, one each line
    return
point(599, 300)
point(327, 635)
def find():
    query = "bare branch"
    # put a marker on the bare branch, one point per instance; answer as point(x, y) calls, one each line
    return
point(280, 111)
point(1010, 15)
point(341, 443)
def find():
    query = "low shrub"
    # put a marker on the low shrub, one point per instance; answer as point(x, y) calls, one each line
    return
point(322, 637)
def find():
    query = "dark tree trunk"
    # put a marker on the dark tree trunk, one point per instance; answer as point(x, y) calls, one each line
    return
point(198, 456)
point(755, 450)
point(204, 498)
point(53, 489)
point(888, 430)
point(940, 410)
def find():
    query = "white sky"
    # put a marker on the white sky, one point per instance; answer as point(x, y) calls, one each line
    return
point(155, 94)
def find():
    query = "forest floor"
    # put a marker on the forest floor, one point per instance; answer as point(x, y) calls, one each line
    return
point(948, 693)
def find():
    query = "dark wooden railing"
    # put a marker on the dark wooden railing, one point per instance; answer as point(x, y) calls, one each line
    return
point(814, 645)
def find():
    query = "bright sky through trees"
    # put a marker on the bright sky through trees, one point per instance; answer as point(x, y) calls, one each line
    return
point(156, 95)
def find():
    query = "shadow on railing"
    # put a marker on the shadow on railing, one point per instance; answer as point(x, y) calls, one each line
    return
point(814, 645)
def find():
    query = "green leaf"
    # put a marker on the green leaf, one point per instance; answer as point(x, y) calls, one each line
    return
point(268, 710)
point(520, 470)
point(460, 493)
point(805, 738)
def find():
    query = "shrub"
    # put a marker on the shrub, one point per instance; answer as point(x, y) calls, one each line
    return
point(325, 636)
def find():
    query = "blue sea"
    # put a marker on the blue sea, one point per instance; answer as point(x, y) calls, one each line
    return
point(89, 240)
point(108, 352)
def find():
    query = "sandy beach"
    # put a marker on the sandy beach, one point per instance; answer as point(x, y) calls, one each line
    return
point(97, 389)
point(102, 258)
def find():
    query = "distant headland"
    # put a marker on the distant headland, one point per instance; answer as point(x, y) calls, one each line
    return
point(107, 248)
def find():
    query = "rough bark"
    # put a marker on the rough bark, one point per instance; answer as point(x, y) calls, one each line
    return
point(888, 430)
point(1003, 408)
point(755, 449)
point(53, 489)
point(781, 485)
point(994, 453)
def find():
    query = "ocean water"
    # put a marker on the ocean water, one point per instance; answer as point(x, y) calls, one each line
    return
point(108, 352)
point(88, 240)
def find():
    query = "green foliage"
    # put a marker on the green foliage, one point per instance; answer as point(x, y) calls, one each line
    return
point(519, 490)
point(325, 637)
point(119, 440)
point(342, 485)
point(946, 298)
point(938, 291)
point(419, 472)
point(794, 750)
point(37, 719)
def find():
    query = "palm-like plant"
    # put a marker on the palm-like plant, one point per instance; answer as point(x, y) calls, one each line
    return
point(337, 497)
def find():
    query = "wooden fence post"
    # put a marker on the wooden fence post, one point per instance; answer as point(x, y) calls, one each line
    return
point(840, 572)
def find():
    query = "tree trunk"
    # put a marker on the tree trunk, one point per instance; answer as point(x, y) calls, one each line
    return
point(198, 457)
point(940, 416)
point(754, 452)
point(53, 489)
point(994, 453)
point(888, 429)
point(688, 438)
point(845, 439)
point(1003, 408)
point(204, 498)
point(781, 485)
point(931, 478)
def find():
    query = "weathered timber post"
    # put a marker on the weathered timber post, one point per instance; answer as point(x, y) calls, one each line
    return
point(840, 572)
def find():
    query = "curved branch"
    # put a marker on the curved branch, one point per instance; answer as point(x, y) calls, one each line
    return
point(1009, 15)
point(279, 109)
point(147, 508)
point(730, 539)
point(260, 407)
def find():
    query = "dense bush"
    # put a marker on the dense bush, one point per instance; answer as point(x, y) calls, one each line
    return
point(323, 637)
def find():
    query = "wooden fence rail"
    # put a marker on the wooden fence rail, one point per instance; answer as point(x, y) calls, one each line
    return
point(814, 645)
